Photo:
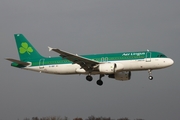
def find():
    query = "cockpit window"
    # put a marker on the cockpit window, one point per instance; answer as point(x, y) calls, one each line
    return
point(161, 55)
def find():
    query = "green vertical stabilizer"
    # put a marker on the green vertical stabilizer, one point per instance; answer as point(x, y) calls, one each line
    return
point(25, 49)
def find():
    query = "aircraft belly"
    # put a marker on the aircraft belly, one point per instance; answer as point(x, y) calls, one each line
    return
point(64, 69)
point(55, 69)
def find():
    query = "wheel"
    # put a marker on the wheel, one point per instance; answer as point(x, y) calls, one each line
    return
point(150, 77)
point(89, 78)
point(99, 82)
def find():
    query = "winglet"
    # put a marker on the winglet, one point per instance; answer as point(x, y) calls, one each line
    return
point(50, 49)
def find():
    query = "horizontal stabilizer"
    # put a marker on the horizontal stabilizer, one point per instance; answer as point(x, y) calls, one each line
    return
point(18, 62)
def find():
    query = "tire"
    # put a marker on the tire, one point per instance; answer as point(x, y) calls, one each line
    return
point(89, 78)
point(99, 82)
point(150, 77)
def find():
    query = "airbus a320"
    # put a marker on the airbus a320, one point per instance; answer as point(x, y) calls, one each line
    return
point(117, 66)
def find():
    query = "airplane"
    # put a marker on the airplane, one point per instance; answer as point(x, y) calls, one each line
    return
point(117, 66)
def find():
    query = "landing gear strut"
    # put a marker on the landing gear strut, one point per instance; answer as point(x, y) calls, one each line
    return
point(100, 82)
point(150, 76)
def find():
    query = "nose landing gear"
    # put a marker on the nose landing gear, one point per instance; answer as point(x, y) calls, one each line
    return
point(150, 76)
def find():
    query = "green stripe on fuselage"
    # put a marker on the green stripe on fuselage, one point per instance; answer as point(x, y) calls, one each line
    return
point(100, 57)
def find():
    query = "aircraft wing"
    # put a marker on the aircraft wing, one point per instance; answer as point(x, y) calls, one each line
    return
point(85, 63)
point(18, 61)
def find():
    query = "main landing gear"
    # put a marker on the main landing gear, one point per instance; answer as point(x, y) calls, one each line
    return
point(89, 78)
point(150, 76)
point(99, 82)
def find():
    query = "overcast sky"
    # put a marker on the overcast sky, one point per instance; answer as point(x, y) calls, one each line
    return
point(83, 27)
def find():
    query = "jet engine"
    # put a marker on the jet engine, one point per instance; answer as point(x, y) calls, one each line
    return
point(121, 76)
point(107, 68)
point(110, 68)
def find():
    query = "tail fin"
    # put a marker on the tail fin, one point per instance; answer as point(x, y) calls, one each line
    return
point(25, 49)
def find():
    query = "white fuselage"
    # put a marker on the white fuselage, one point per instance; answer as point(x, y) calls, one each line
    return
point(128, 65)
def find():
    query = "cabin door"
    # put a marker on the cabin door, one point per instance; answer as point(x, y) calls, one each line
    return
point(148, 56)
point(41, 63)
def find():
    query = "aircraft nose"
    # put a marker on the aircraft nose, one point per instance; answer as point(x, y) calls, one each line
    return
point(170, 62)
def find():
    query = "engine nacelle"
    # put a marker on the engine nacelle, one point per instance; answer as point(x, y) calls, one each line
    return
point(107, 68)
point(122, 76)
point(119, 67)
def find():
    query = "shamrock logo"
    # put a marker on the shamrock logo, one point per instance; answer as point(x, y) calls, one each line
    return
point(25, 48)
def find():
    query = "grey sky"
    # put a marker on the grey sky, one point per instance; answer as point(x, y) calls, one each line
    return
point(90, 26)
